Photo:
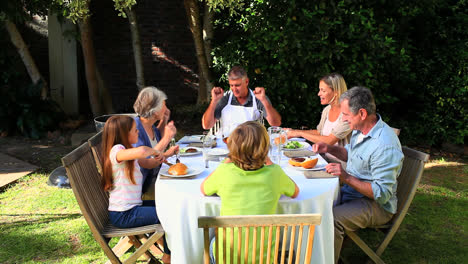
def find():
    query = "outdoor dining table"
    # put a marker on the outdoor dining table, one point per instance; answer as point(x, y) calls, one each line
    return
point(179, 203)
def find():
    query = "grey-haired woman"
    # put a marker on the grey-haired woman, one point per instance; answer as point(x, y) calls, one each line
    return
point(150, 106)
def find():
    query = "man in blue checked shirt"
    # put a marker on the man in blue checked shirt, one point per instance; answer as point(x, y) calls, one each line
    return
point(374, 159)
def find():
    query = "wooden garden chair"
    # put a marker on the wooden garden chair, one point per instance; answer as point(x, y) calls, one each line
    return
point(93, 201)
point(411, 173)
point(262, 224)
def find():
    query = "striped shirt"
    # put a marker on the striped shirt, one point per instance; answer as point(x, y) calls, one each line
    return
point(124, 195)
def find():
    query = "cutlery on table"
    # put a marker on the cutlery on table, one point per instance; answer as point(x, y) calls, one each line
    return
point(173, 143)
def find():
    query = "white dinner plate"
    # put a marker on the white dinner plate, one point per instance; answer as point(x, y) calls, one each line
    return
point(304, 146)
point(316, 168)
point(190, 172)
point(297, 139)
point(199, 151)
point(191, 139)
point(218, 152)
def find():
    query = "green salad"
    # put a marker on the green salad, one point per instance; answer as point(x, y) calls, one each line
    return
point(293, 145)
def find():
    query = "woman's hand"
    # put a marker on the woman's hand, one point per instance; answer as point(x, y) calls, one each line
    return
point(166, 116)
point(159, 158)
point(171, 151)
point(170, 130)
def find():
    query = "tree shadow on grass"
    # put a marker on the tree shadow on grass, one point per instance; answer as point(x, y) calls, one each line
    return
point(432, 232)
point(19, 220)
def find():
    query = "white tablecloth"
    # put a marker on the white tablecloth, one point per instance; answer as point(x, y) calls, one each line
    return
point(179, 203)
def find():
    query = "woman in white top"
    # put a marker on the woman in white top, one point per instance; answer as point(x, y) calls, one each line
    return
point(331, 129)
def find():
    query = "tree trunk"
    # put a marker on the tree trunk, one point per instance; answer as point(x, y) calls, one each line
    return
point(193, 16)
point(89, 56)
point(104, 93)
point(136, 44)
point(28, 60)
point(208, 32)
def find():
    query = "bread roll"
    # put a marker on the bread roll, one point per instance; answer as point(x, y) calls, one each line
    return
point(178, 169)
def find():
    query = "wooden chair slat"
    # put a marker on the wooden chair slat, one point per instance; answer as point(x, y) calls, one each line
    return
point(270, 239)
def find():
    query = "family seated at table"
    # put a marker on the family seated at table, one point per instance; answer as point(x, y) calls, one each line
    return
point(373, 155)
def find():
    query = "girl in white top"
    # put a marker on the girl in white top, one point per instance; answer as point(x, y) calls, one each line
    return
point(121, 174)
point(331, 129)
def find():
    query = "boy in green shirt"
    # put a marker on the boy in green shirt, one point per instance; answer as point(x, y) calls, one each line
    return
point(247, 181)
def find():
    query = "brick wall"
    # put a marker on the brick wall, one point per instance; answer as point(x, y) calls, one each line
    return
point(167, 46)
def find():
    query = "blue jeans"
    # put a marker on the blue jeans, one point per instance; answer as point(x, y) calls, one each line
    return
point(142, 215)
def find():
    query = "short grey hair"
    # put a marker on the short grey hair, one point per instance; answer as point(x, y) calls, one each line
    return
point(359, 97)
point(236, 72)
point(149, 101)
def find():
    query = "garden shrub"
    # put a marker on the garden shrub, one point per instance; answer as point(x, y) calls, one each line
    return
point(21, 108)
point(412, 55)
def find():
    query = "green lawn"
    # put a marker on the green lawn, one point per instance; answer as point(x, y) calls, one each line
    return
point(43, 224)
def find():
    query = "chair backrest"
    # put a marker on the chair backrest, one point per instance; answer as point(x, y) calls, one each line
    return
point(85, 181)
point(95, 143)
point(411, 173)
point(396, 130)
point(287, 224)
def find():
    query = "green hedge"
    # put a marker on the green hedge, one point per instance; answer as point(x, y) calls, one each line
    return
point(412, 55)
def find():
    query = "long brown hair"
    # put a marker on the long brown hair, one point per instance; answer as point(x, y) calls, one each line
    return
point(115, 132)
point(248, 146)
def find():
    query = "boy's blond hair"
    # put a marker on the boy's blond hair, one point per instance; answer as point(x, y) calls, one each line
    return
point(248, 146)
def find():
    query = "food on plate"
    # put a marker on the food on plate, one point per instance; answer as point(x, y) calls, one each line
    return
point(178, 169)
point(225, 140)
point(293, 145)
point(191, 150)
point(277, 140)
point(306, 163)
point(188, 150)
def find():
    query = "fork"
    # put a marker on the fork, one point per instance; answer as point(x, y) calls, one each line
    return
point(173, 143)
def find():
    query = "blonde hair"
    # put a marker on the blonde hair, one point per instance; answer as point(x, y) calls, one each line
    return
point(149, 101)
point(248, 146)
point(336, 83)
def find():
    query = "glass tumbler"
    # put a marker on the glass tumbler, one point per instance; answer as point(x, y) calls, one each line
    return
point(278, 139)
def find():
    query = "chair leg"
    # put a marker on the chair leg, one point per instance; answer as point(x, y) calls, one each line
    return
point(137, 241)
point(364, 247)
point(143, 248)
point(122, 246)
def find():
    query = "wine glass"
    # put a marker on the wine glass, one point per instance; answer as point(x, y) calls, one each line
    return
point(207, 143)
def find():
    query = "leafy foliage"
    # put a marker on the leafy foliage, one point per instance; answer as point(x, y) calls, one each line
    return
point(22, 110)
point(412, 55)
